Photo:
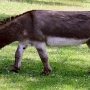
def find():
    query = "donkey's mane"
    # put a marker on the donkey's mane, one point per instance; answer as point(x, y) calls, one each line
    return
point(8, 19)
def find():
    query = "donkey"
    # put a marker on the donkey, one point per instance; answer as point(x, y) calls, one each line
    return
point(42, 28)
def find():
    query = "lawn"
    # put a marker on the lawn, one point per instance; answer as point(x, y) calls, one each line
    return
point(70, 64)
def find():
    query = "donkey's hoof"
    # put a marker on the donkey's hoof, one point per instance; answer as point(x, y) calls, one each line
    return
point(46, 72)
point(88, 72)
point(15, 69)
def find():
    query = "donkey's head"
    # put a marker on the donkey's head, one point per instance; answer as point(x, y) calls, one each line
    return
point(9, 33)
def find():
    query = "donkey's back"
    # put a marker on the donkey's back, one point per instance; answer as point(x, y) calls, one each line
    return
point(62, 27)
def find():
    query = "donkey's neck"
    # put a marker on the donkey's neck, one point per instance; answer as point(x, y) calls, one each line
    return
point(7, 35)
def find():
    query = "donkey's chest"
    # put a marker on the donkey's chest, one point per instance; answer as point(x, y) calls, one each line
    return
point(59, 41)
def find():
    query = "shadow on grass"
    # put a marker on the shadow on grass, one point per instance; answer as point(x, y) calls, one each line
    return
point(63, 74)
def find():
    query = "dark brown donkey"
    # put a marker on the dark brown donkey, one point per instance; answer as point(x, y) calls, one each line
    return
point(41, 27)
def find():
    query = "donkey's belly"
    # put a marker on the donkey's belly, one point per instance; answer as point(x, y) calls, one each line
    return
point(59, 41)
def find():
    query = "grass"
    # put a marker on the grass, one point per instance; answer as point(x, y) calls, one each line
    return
point(70, 67)
point(70, 64)
point(8, 8)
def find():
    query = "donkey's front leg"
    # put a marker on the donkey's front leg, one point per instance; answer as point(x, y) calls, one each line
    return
point(18, 57)
point(44, 57)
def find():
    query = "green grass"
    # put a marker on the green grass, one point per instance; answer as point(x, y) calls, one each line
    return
point(70, 64)
point(8, 8)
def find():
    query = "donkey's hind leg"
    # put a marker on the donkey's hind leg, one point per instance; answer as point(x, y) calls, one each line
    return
point(40, 46)
point(88, 43)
